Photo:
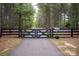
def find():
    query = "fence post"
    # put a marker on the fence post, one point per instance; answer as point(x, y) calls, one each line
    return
point(52, 33)
point(0, 32)
point(20, 25)
point(0, 28)
point(1, 22)
point(72, 32)
point(36, 34)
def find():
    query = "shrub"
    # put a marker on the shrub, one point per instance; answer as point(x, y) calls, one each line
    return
point(57, 37)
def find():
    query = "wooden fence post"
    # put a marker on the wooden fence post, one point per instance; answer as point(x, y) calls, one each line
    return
point(20, 25)
point(52, 32)
point(72, 32)
point(1, 22)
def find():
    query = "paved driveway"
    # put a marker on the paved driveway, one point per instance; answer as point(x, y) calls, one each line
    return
point(36, 47)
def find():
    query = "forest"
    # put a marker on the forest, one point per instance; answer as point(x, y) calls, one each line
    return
point(49, 15)
point(63, 15)
point(14, 15)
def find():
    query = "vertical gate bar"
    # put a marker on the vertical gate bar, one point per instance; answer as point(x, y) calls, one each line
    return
point(36, 34)
point(48, 33)
point(52, 32)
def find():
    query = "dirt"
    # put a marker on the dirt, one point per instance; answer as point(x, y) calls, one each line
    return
point(73, 41)
point(8, 43)
point(68, 50)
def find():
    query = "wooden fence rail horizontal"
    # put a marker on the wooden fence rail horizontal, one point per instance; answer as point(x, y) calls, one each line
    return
point(41, 33)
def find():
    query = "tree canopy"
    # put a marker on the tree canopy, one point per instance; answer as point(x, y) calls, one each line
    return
point(49, 15)
point(11, 11)
point(58, 15)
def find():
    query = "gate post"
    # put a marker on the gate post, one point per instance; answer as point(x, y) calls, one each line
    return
point(20, 25)
point(36, 33)
point(52, 33)
point(72, 32)
point(49, 31)
point(0, 29)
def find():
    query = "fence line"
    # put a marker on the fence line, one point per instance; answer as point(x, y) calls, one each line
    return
point(41, 33)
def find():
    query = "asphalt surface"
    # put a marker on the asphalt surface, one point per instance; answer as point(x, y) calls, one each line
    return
point(36, 47)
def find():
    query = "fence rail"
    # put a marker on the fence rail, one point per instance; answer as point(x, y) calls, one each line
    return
point(41, 33)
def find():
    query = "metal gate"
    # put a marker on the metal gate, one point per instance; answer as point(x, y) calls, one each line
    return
point(36, 33)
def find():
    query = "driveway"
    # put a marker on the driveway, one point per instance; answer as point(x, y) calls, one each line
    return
point(36, 47)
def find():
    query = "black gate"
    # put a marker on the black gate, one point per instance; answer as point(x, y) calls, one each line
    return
point(28, 33)
point(36, 33)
